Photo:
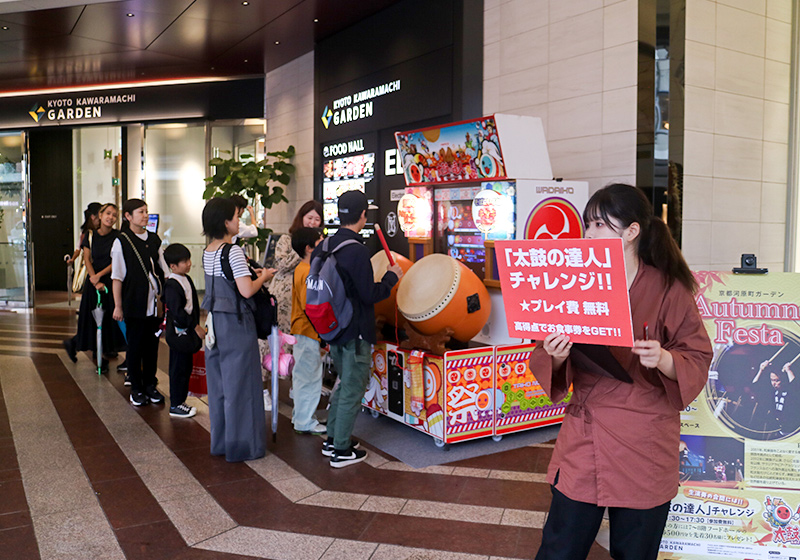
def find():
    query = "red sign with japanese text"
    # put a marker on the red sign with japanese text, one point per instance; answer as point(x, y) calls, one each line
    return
point(574, 286)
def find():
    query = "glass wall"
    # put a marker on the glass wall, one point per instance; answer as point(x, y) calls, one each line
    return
point(15, 266)
point(175, 166)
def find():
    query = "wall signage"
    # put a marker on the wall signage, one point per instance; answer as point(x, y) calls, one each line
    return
point(209, 100)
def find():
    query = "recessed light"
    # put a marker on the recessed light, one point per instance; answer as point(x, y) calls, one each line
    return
point(245, 60)
point(129, 14)
point(316, 20)
point(5, 28)
point(245, 3)
point(277, 42)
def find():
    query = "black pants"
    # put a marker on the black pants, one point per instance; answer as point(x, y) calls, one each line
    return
point(142, 351)
point(180, 370)
point(572, 526)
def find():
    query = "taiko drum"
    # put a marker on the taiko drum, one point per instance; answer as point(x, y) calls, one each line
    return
point(388, 307)
point(439, 292)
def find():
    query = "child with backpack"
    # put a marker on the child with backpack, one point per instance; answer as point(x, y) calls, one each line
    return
point(184, 334)
point(307, 373)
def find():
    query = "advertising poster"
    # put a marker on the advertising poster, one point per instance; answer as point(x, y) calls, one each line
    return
point(465, 151)
point(572, 286)
point(740, 439)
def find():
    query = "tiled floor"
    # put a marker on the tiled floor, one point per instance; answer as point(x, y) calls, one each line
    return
point(84, 475)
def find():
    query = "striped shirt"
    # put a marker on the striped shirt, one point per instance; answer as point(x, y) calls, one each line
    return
point(213, 267)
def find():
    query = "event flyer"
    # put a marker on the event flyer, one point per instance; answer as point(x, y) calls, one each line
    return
point(740, 442)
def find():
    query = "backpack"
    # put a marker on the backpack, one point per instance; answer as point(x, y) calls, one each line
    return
point(327, 305)
point(266, 312)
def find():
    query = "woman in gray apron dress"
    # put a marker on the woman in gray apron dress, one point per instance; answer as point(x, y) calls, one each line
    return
point(233, 370)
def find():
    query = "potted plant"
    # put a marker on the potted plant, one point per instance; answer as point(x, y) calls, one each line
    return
point(262, 181)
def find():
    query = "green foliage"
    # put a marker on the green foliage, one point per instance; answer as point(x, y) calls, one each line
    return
point(262, 181)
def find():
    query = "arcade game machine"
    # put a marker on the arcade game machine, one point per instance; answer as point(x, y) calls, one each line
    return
point(468, 185)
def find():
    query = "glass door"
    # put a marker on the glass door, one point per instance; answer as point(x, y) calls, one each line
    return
point(15, 261)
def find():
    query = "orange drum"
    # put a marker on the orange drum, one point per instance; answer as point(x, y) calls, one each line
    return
point(387, 307)
point(439, 292)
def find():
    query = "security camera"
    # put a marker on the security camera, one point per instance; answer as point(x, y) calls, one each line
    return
point(749, 265)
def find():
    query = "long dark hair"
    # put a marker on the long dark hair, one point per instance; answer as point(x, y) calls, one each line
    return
point(93, 209)
point(625, 205)
point(297, 223)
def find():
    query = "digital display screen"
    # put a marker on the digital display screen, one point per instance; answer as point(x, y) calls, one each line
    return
point(152, 223)
point(341, 175)
point(467, 216)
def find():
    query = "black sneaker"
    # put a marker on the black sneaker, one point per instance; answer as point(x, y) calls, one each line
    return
point(69, 346)
point(127, 381)
point(123, 366)
point(153, 394)
point(182, 411)
point(345, 458)
point(327, 446)
point(103, 366)
point(138, 398)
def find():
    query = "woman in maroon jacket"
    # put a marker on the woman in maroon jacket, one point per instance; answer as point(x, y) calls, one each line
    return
point(618, 445)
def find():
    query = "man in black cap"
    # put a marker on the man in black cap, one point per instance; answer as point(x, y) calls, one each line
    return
point(352, 349)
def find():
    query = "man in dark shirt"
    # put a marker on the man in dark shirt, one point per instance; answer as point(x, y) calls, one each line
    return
point(352, 349)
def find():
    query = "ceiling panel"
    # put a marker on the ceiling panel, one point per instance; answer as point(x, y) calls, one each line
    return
point(96, 43)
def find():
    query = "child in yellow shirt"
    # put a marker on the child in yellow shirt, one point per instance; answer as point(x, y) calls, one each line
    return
point(307, 372)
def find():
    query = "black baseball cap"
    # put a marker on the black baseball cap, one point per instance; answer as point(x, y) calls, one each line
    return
point(353, 203)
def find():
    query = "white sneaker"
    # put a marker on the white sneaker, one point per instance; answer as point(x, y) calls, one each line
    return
point(317, 429)
point(267, 401)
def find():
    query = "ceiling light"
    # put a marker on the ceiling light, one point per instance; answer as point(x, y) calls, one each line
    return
point(277, 42)
point(245, 3)
point(316, 20)
point(5, 28)
point(129, 14)
point(245, 60)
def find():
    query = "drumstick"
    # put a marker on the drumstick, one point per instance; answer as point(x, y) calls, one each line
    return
point(778, 352)
point(385, 246)
point(793, 361)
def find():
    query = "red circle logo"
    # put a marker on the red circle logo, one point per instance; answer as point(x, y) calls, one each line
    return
point(554, 218)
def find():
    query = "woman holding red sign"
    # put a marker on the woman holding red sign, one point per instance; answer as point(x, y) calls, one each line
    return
point(618, 445)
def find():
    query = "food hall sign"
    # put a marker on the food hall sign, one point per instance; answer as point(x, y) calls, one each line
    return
point(76, 108)
point(356, 106)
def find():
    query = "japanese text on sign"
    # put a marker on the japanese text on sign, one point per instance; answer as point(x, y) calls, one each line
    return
point(572, 286)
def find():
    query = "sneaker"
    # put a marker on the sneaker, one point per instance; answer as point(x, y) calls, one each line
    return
point(316, 430)
point(127, 381)
point(346, 458)
point(267, 401)
point(327, 446)
point(69, 346)
point(123, 366)
point(153, 394)
point(138, 398)
point(104, 366)
point(182, 411)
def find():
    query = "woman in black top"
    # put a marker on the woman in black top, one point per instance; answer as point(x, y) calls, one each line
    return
point(97, 256)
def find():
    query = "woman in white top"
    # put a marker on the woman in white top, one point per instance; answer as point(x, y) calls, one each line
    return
point(233, 370)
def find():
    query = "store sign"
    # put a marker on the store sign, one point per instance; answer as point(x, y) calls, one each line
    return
point(75, 108)
point(343, 148)
point(210, 100)
point(356, 106)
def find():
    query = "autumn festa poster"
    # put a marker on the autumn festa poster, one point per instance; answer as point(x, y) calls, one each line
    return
point(740, 439)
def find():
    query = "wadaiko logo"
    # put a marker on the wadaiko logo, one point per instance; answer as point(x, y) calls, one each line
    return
point(326, 116)
point(36, 112)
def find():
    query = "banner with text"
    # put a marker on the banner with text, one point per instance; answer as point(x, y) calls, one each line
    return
point(740, 439)
point(572, 286)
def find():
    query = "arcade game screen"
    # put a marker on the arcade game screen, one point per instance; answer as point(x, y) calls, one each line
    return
point(467, 216)
point(341, 175)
